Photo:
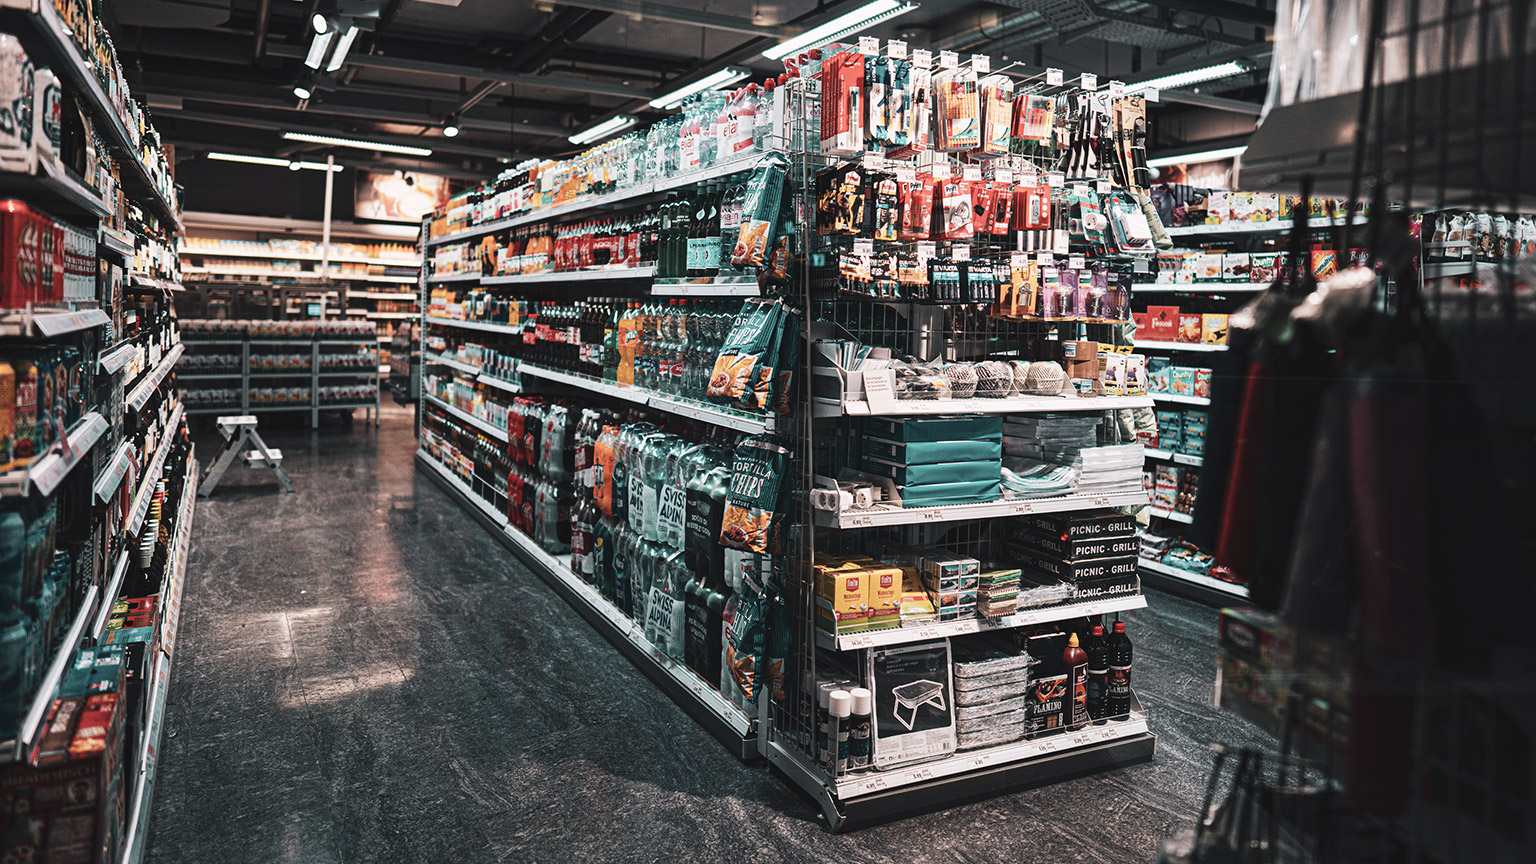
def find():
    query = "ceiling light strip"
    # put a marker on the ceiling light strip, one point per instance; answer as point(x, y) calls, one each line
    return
point(355, 143)
point(728, 75)
point(865, 16)
point(603, 129)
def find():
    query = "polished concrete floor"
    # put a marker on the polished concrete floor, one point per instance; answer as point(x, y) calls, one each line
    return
point(364, 675)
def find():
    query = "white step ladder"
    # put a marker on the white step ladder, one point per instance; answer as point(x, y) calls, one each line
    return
point(261, 456)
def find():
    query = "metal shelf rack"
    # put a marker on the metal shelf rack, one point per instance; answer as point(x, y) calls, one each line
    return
point(314, 374)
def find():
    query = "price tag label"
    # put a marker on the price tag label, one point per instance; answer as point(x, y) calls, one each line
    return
point(1022, 507)
point(948, 59)
point(873, 161)
point(1101, 501)
point(1116, 89)
point(927, 249)
point(1056, 180)
point(858, 641)
point(1048, 745)
point(1003, 175)
point(1089, 81)
point(1081, 739)
point(1151, 94)
point(864, 246)
point(933, 515)
point(960, 251)
point(869, 45)
point(1045, 259)
point(1054, 77)
point(1080, 189)
point(922, 58)
point(896, 48)
point(1075, 262)
point(981, 64)
point(906, 174)
point(858, 521)
point(970, 173)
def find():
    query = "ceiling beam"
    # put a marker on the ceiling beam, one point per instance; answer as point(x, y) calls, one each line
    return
point(680, 15)
point(1185, 97)
point(437, 145)
point(1257, 15)
point(451, 70)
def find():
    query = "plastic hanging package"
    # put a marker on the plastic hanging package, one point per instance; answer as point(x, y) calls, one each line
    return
point(746, 637)
point(753, 502)
point(760, 212)
point(749, 340)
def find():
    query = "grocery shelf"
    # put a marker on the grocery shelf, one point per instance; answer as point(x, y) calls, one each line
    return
point(139, 509)
point(1276, 226)
point(207, 376)
point(402, 296)
point(48, 685)
point(1011, 405)
point(151, 380)
point(52, 46)
point(119, 243)
point(610, 274)
point(698, 698)
point(454, 277)
point(46, 322)
point(499, 383)
point(1156, 345)
point(460, 414)
point(139, 280)
point(1170, 456)
point(451, 364)
point(109, 596)
point(880, 796)
point(45, 472)
point(600, 202)
point(279, 255)
point(160, 680)
point(114, 359)
point(942, 629)
point(712, 414)
point(1449, 269)
point(488, 326)
point(383, 315)
point(1174, 515)
point(1179, 397)
point(706, 289)
point(1180, 581)
point(112, 476)
point(1200, 287)
point(54, 190)
point(884, 515)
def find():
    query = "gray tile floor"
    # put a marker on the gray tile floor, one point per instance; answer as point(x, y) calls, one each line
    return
point(366, 675)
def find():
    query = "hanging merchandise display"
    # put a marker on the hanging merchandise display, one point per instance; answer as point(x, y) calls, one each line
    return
point(871, 519)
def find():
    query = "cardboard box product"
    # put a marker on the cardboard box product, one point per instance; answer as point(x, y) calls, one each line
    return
point(842, 599)
point(1030, 537)
point(948, 428)
point(1213, 328)
point(1181, 381)
point(1158, 369)
point(1202, 383)
point(932, 452)
point(941, 494)
point(1208, 267)
point(1072, 570)
point(1117, 585)
point(1114, 372)
point(923, 474)
point(1046, 692)
point(1235, 266)
point(1099, 524)
point(1189, 326)
point(1162, 324)
point(1136, 375)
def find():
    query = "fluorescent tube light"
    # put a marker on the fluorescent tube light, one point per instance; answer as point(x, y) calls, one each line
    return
point(355, 143)
point(339, 56)
point(1199, 156)
point(317, 48)
point(603, 129)
point(1193, 76)
point(268, 160)
point(865, 16)
point(728, 75)
point(240, 157)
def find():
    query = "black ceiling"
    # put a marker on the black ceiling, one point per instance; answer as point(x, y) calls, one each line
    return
point(220, 74)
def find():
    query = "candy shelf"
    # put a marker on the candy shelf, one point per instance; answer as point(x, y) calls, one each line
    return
point(1176, 397)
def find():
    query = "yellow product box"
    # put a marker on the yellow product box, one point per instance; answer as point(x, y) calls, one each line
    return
point(842, 599)
point(884, 591)
point(1213, 328)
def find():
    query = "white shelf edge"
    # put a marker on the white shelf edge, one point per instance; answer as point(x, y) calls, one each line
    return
point(281, 256)
point(49, 684)
point(450, 363)
point(874, 518)
point(634, 632)
point(1238, 592)
point(1199, 287)
point(1270, 227)
point(141, 498)
point(498, 434)
point(113, 361)
point(122, 460)
point(50, 469)
point(470, 325)
point(109, 596)
point(571, 276)
point(706, 289)
point(151, 382)
point(1173, 515)
point(1159, 345)
point(942, 629)
point(659, 401)
point(1175, 397)
point(1013, 405)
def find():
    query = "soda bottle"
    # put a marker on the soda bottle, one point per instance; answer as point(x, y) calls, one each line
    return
point(581, 540)
point(1075, 660)
point(1119, 687)
point(1098, 674)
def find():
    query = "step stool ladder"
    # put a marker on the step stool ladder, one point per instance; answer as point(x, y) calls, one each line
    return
point(238, 431)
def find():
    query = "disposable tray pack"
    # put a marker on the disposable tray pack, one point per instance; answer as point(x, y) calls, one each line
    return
point(1013, 720)
point(1002, 706)
point(989, 738)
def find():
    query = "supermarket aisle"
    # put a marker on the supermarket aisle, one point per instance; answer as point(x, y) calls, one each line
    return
point(364, 674)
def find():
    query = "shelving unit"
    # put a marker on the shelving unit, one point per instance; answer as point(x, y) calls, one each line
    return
point(713, 414)
point(47, 471)
point(315, 375)
point(1199, 287)
point(1153, 345)
point(908, 634)
point(1207, 589)
point(1277, 226)
point(704, 703)
point(466, 417)
point(886, 515)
